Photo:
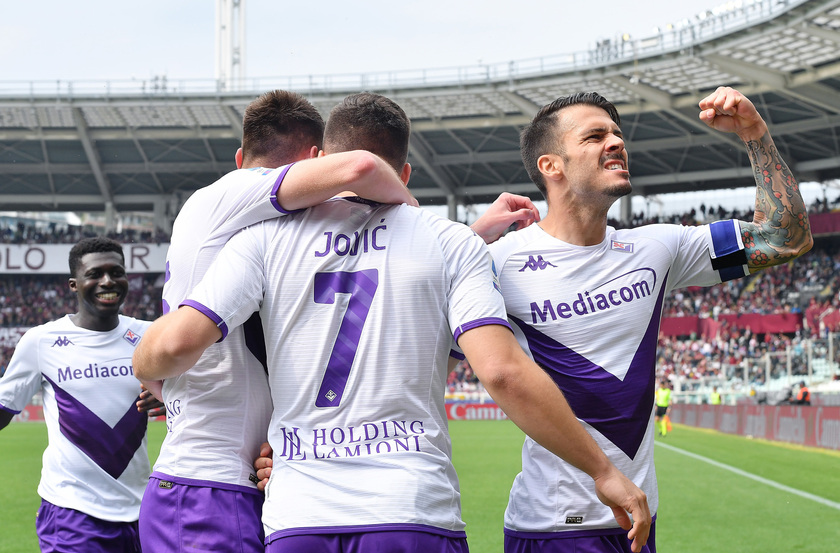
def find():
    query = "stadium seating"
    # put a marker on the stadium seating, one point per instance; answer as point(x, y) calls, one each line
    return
point(734, 357)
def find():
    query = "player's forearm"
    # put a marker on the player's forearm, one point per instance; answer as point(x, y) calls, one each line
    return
point(530, 398)
point(508, 209)
point(536, 405)
point(173, 344)
point(313, 181)
point(780, 230)
point(155, 387)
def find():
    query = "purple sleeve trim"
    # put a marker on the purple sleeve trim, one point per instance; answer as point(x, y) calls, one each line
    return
point(276, 188)
point(457, 355)
point(6, 409)
point(477, 323)
point(210, 314)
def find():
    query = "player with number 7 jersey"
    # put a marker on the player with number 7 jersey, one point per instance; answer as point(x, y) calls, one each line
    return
point(356, 357)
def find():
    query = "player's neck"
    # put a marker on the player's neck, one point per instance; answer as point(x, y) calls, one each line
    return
point(575, 227)
point(98, 324)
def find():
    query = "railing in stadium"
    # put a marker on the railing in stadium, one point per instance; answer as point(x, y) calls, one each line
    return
point(725, 19)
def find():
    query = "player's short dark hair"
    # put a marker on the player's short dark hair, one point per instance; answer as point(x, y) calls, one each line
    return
point(372, 122)
point(539, 137)
point(97, 244)
point(279, 126)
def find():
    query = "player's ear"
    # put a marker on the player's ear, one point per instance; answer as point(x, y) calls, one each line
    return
point(238, 158)
point(551, 166)
point(71, 282)
point(314, 152)
point(405, 173)
point(322, 153)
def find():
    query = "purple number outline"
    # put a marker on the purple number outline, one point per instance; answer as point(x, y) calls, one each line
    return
point(361, 285)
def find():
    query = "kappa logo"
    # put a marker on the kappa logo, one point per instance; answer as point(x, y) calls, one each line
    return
point(63, 341)
point(131, 337)
point(537, 264)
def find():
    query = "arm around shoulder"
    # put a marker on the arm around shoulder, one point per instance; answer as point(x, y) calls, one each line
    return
point(313, 181)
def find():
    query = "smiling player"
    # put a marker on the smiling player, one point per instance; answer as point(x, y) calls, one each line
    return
point(96, 465)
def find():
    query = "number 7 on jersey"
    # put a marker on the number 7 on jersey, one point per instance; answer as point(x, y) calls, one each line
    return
point(361, 285)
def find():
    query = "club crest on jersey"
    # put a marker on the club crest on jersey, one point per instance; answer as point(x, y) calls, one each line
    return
point(626, 247)
point(131, 337)
point(62, 341)
point(537, 264)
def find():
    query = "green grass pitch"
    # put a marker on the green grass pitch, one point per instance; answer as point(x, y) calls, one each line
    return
point(703, 507)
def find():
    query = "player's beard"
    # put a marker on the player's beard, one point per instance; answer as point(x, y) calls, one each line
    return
point(619, 190)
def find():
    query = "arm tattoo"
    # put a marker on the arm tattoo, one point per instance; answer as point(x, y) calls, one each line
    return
point(780, 226)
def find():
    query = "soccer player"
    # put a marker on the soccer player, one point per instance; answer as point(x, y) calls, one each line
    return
point(662, 398)
point(202, 493)
point(586, 299)
point(361, 302)
point(96, 464)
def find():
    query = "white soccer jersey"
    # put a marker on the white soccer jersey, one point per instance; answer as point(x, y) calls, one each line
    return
point(590, 316)
point(218, 411)
point(96, 461)
point(360, 303)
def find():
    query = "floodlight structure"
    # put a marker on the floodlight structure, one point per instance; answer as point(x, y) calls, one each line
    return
point(230, 44)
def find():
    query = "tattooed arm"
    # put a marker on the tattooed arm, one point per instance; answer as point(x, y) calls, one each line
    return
point(779, 230)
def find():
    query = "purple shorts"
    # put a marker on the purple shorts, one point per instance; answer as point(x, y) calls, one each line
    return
point(178, 516)
point(397, 541)
point(68, 530)
point(615, 542)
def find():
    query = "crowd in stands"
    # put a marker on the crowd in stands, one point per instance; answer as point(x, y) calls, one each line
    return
point(54, 233)
point(809, 285)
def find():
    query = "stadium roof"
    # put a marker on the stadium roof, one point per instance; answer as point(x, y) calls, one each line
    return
point(144, 146)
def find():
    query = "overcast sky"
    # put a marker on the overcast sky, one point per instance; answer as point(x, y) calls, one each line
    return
point(111, 40)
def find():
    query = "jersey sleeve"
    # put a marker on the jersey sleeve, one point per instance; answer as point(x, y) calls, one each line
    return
point(474, 297)
point(23, 375)
point(210, 218)
point(706, 255)
point(232, 288)
point(252, 203)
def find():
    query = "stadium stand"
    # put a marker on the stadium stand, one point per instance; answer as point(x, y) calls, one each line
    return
point(54, 233)
point(152, 147)
point(809, 288)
